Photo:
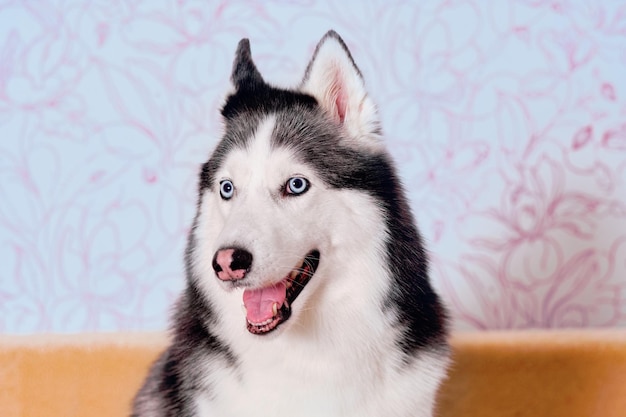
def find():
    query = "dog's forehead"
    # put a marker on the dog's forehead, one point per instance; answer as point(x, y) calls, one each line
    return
point(259, 150)
point(262, 156)
point(306, 135)
point(295, 128)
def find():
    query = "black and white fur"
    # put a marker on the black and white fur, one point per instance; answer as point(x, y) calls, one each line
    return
point(367, 334)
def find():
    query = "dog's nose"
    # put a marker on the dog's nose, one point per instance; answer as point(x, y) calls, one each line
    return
point(232, 263)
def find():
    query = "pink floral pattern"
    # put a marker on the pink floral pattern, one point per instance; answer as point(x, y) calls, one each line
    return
point(507, 120)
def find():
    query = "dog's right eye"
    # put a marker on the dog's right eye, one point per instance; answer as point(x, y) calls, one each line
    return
point(296, 186)
point(227, 189)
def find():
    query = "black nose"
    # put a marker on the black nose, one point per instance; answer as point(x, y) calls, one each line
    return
point(232, 263)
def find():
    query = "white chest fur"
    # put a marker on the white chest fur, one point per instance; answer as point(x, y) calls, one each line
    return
point(284, 377)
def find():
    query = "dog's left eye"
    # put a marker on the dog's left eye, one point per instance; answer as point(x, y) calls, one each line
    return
point(227, 189)
point(296, 186)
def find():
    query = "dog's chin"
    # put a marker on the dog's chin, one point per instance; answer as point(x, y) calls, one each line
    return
point(267, 308)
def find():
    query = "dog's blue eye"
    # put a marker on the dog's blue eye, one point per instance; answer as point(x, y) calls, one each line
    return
point(227, 189)
point(296, 185)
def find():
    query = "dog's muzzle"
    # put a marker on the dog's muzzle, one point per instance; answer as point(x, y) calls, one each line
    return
point(269, 306)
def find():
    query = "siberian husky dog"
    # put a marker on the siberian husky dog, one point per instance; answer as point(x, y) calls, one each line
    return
point(307, 283)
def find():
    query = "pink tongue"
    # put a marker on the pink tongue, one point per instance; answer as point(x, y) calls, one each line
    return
point(259, 302)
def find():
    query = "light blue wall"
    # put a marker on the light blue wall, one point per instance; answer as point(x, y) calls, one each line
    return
point(507, 120)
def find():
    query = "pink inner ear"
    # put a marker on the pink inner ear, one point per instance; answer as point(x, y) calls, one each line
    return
point(340, 101)
point(338, 92)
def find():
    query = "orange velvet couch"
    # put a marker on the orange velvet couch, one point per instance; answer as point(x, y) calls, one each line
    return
point(495, 374)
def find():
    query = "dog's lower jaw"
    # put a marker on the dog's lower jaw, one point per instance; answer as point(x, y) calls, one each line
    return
point(260, 323)
point(280, 316)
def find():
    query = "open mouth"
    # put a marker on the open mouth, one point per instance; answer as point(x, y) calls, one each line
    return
point(268, 307)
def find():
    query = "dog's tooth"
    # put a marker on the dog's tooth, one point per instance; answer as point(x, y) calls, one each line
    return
point(294, 274)
point(275, 308)
point(244, 309)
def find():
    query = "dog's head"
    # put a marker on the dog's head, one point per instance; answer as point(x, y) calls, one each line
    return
point(287, 218)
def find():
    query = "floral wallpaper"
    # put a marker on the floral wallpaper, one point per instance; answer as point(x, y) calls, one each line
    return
point(507, 120)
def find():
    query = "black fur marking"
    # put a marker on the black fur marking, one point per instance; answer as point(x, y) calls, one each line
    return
point(177, 376)
point(171, 387)
point(244, 72)
point(194, 316)
point(259, 97)
point(255, 95)
point(236, 136)
point(420, 313)
point(180, 374)
point(317, 141)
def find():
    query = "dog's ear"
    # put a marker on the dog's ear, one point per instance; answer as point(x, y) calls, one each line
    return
point(245, 75)
point(334, 80)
